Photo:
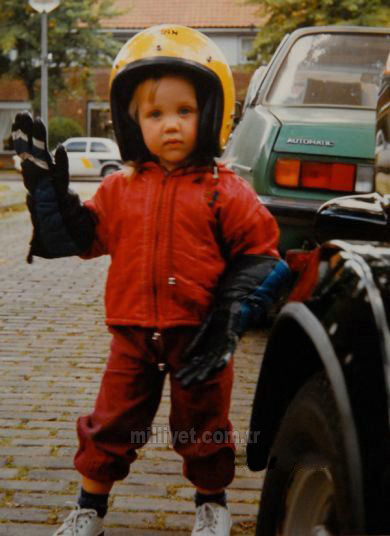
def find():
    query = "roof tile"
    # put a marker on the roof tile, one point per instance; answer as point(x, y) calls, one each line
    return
point(195, 13)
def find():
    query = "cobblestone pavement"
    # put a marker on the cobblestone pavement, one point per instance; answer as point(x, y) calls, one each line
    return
point(52, 351)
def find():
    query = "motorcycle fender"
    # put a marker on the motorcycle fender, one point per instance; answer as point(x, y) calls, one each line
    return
point(298, 347)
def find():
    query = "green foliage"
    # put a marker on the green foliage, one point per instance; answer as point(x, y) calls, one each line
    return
point(74, 41)
point(285, 16)
point(62, 128)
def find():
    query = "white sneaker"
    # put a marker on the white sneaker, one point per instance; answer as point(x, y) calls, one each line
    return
point(212, 519)
point(81, 522)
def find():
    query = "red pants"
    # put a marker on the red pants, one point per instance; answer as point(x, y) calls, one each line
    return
point(128, 400)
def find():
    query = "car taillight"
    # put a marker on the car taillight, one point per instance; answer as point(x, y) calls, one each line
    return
point(287, 172)
point(292, 173)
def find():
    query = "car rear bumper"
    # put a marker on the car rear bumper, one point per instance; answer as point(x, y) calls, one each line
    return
point(295, 219)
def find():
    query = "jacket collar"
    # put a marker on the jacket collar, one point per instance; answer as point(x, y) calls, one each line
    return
point(178, 172)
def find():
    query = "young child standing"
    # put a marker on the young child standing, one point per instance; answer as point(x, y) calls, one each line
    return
point(193, 264)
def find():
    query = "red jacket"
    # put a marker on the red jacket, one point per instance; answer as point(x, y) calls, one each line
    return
point(167, 233)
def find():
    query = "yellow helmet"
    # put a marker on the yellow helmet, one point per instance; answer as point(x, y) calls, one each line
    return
point(171, 48)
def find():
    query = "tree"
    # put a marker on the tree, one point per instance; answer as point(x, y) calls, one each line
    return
point(62, 128)
point(284, 16)
point(75, 41)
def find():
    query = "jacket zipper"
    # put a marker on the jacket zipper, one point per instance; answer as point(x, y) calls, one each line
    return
point(171, 272)
point(156, 242)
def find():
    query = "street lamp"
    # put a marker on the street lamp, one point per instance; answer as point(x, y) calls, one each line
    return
point(44, 7)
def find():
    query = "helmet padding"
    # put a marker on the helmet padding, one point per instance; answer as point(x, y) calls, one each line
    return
point(209, 96)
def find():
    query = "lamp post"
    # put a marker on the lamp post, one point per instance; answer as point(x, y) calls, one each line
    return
point(44, 7)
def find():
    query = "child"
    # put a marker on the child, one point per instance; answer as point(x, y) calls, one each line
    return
point(193, 263)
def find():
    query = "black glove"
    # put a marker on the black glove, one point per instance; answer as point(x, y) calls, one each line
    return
point(249, 288)
point(62, 226)
point(29, 139)
point(212, 348)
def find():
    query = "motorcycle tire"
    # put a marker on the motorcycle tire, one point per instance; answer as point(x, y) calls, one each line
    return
point(306, 490)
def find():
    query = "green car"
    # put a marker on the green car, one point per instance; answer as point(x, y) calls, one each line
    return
point(307, 130)
point(382, 151)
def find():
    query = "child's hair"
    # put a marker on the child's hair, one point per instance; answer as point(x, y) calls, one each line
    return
point(156, 78)
point(209, 100)
point(201, 155)
point(135, 102)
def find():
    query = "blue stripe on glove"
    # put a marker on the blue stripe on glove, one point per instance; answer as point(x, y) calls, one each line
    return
point(255, 307)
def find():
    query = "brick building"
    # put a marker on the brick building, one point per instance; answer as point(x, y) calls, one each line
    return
point(232, 24)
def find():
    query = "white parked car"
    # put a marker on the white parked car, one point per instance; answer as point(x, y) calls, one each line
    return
point(89, 157)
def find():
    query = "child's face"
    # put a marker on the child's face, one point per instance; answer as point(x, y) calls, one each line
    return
point(168, 117)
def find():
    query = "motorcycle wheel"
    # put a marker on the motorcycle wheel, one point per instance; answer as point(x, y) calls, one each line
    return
point(307, 491)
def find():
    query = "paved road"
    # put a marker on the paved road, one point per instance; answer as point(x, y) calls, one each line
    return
point(52, 352)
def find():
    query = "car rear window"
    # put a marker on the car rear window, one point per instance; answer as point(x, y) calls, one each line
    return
point(99, 147)
point(76, 147)
point(331, 69)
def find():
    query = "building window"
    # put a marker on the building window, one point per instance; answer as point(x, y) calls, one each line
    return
point(245, 47)
point(99, 122)
point(8, 111)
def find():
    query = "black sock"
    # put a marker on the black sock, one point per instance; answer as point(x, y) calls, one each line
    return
point(94, 501)
point(219, 498)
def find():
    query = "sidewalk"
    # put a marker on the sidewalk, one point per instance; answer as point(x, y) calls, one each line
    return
point(52, 352)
